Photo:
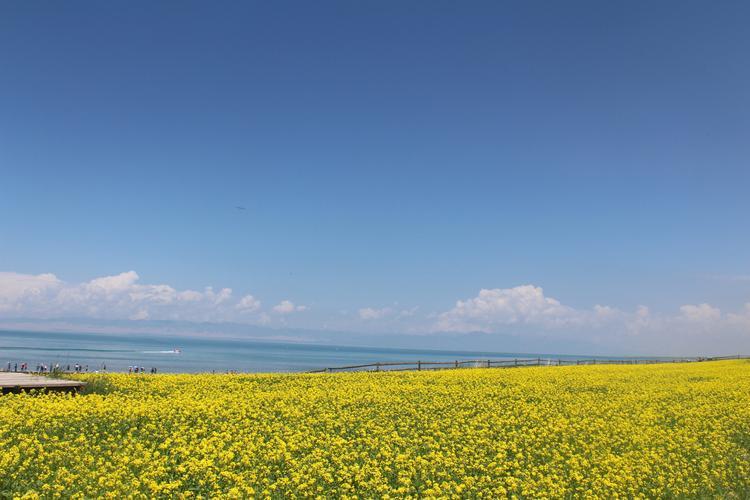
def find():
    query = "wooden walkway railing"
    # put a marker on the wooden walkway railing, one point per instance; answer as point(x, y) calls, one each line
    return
point(513, 363)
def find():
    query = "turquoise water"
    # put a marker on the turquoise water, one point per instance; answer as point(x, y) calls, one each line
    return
point(118, 352)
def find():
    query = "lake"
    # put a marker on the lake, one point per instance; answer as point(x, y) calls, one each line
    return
point(116, 352)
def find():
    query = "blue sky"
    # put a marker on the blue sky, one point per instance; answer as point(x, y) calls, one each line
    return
point(392, 156)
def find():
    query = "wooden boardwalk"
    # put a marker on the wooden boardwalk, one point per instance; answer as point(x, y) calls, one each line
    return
point(17, 382)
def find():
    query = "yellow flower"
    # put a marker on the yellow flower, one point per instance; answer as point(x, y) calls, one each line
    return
point(671, 430)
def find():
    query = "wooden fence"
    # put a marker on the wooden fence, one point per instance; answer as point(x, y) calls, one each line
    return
point(512, 363)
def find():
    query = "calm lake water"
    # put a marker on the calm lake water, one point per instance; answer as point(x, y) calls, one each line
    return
point(118, 352)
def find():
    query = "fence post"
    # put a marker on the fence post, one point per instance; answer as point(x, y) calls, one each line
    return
point(377, 366)
point(559, 361)
point(538, 361)
point(516, 361)
point(419, 366)
point(456, 364)
point(488, 363)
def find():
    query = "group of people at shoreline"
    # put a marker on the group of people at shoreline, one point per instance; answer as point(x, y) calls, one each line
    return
point(140, 369)
point(24, 367)
point(47, 368)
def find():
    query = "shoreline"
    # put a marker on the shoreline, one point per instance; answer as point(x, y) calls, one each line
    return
point(409, 366)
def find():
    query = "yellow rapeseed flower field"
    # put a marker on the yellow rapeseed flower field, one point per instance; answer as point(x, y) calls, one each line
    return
point(671, 430)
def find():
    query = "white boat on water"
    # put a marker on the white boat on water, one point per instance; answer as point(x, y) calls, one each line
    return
point(176, 350)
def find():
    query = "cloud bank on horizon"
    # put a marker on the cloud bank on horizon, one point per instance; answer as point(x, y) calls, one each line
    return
point(522, 310)
point(122, 297)
point(693, 329)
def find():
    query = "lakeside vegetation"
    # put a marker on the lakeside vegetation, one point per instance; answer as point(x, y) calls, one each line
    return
point(670, 430)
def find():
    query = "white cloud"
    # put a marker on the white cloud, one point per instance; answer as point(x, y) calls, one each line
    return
point(368, 313)
point(640, 320)
point(116, 297)
point(741, 318)
point(372, 313)
point(17, 289)
point(407, 313)
point(287, 307)
point(498, 309)
point(525, 312)
point(700, 313)
point(265, 319)
point(141, 314)
point(248, 303)
point(217, 298)
point(524, 304)
point(110, 284)
point(189, 296)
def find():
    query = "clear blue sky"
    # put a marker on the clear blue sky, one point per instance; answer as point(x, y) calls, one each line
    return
point(387, 153)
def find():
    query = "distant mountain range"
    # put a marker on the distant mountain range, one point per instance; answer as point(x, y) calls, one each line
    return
point(536, 343)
